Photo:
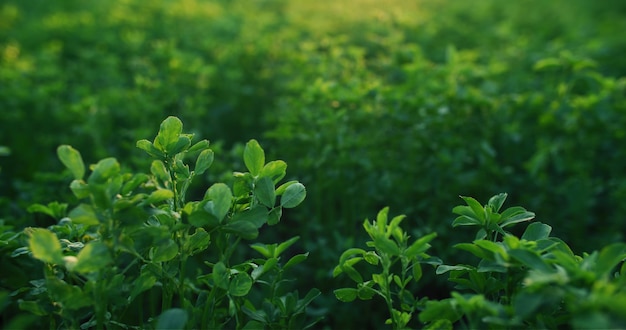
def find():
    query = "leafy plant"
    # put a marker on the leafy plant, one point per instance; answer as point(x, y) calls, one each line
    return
point(399, 262)
point(133, 236)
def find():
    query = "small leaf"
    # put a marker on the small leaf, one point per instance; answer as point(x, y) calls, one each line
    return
point(221, 275)
point(45, 246)
point(149, 148)
point(168, 135)
point(256, 215)
point(199, 146)
point(346, 294)
point(274, 216)
point(104, 170)
point(254, 157)
point(477, 209)
point(172, 319)
point(298, 258)
point(419, 246)
point(144, 282)
point(609, 257)
point(530, 259)
point(204, 161)
point(281, 189)
point(417, 271)
point(275, 170)
point(518, 217)
point(264, 191)
point(244, 229)
point(92, 258)
point(285, 245)
point(536, 231)
point(80, 189)
point(159, 195)
point(220, 200)
point(386, 245)
point(71, 158)
point(240, 285)
point(197, 242)
point(497, 201)
point(164, 251)
point(294, 195)
point(182, 144)
point(157, 168)
point(84, 214)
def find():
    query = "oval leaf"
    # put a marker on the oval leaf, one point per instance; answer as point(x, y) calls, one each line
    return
point(294, 195)
point(204, 161)
point(264, 191)
point(254, 157)
point(45, 246)
point(71, 158)
point(220, 199)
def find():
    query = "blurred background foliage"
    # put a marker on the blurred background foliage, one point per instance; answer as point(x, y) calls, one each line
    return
point(371, 103)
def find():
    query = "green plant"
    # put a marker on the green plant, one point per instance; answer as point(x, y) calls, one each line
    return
point(399, 262)
point(135, 239)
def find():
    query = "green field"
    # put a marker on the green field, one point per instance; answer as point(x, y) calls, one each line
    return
point(372, 104)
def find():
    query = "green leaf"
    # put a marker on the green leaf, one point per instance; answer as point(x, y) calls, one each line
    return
point(204, 161)
point(104, 170)
point(419, 246)
point(199, 146)
point(298, 258)
point(275, 170)
point(536, 231)
point(240, 285)
point(417, 271)
point(157, 168)
point(71, 158)
point(274, 216)
point(134, 182)
point(497, 201)
point(609, 257)
point(477, 209)
point(351, 272)
point(182, 144)
point(159, 195)
point(197, 242)
point(68, 296)
point(172, 319)
point(84, 214)
point(244, 229)
point(45, 246)
point(285, 245)
point(346, 294)
point(515, 215)
point(149, 148)
point(144, 282)
point(168, 135)
point(254, 157)
point(264, 191)
point(80, 189)
point(281, 189)
point(164, 251)
point(386, 245)
point(220, 200)
point(473, 249)
point(256, 215)
point(221, 275)
point(530, 259)
point(92, 258)
point(442, 269)
point(294, 195)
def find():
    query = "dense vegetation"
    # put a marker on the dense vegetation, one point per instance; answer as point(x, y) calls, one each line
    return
point(406, 104)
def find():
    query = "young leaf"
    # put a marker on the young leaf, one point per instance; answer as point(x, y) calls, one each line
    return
point(45, 246)
point(149, 148)
point(275, 170)
point(71, 158)
point(477, 209)
point(204, 161)
point(346, 294)
point(518, 215)
point(92, 258)
point(157, 168)
point(244, 229)
point(104, 170)
point(274, 216)
point(240, 285)
point(199, 146)
point(84, 214)
point(168, 135)
point(159, 195)
point(165, 251)
point(298, 258)
point(281, 189)
point(294, 195)
point(221, 275)
point(220, 199)
point(264, 191)
point(536, 231)
point(497, 201)
point(182, 144)
point(254, 157)
point(284, 245)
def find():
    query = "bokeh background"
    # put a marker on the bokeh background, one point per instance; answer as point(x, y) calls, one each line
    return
point(398, 103)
